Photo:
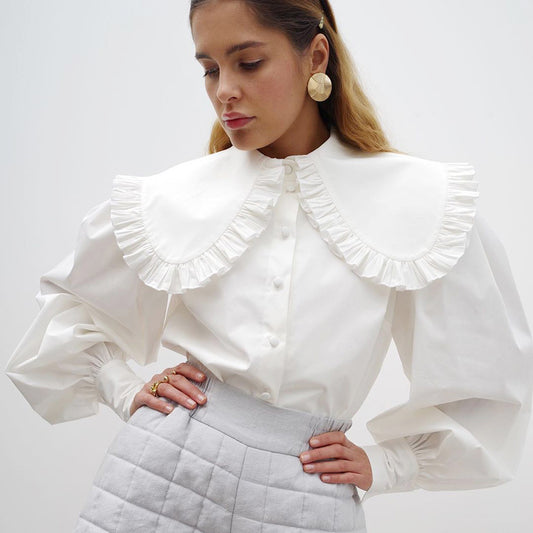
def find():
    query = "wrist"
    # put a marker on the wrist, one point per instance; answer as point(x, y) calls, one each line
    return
point(117, 384)
point(394, 467)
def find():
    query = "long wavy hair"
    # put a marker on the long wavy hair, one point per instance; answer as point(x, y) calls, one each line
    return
point(348, 109)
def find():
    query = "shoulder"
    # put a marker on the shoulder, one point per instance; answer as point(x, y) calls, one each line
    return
point(180, 227)
point(397, 219)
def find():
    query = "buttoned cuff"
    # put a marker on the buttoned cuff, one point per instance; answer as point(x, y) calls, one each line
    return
point(394, 467)
point(117, 384)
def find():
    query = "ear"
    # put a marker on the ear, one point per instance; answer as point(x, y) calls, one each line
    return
point(319, 53)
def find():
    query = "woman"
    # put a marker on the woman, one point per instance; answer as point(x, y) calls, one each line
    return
point(282, 264)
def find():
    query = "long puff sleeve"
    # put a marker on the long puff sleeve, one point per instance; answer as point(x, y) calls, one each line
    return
point(466, 348)
point(95, 314)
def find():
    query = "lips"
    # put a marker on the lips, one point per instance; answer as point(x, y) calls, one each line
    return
point(237, 123)
point(233, 116)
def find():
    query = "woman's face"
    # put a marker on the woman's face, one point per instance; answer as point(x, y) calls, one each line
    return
point(264, 80)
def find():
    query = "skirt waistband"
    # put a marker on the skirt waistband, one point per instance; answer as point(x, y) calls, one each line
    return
point(257, 423)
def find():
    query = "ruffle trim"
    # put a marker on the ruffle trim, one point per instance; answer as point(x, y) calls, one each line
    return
point(449, 245)
point(142, 256)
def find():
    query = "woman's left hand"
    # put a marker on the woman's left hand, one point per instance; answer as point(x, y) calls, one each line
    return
point(351, 465)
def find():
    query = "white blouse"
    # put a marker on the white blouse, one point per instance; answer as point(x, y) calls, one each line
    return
point(288, 278)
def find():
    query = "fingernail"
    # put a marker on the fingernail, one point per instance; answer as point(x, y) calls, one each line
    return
point(190, 402)
point(169, 408)
point(305, 456)
point(313, 442)
point(325, 477)
point(199, 375)
point(201, 397)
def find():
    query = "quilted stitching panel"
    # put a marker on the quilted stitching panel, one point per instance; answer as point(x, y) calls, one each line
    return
point(245, 525)
point(169, 525)
point(148, 491)
point(85, 526)
point(137, 520)
point(251, 496)
point(175, 473)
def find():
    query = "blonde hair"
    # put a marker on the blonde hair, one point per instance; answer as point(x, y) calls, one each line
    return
point(348, 109)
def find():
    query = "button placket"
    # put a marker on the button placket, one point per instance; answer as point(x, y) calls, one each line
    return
point(289, 181)
point(279, 272)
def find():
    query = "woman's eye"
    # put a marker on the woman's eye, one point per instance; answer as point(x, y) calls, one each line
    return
point(250, 66)
point(210, 72)
point(246, 66)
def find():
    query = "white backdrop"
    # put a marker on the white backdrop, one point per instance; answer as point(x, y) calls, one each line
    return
point(91, 89)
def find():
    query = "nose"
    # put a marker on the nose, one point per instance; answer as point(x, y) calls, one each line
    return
point(227, 87)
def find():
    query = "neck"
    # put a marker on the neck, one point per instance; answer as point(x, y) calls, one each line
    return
point(299, 139)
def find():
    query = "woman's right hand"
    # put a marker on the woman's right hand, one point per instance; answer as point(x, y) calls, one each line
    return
point(177, 388)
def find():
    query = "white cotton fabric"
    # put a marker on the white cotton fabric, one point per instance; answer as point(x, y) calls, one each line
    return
point(288, 279)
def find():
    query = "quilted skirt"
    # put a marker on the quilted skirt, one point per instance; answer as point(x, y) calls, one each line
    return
point(230, 465)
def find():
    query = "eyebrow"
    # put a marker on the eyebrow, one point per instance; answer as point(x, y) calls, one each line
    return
point(234, 48)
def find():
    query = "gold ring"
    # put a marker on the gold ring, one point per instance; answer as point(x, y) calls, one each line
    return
point(173, 371)
point(153, 388)
point(165, 379)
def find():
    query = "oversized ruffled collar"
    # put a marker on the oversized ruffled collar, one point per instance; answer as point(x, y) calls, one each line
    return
point(395, 219)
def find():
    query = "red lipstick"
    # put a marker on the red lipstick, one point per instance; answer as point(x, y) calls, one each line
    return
point(236, 120)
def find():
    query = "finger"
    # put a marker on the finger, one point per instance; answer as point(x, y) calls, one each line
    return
point(188, 370)
point(158, 404)
point(330, 437)
point(332, 451)
point(182, 383)
point(169, 391)
point(341, 465)
point(345, 477)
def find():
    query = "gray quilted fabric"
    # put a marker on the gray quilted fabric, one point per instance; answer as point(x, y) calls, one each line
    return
point(230, 465)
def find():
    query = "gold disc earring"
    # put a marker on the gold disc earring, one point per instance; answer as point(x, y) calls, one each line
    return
point(319, 86)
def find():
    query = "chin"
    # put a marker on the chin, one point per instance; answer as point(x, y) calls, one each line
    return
point(242, 143)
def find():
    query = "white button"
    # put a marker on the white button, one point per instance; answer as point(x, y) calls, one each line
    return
point(289, 169)
point(285, 232)
point(278, 282)
point(274, 341)
point(291, 187)
point(265, 396)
